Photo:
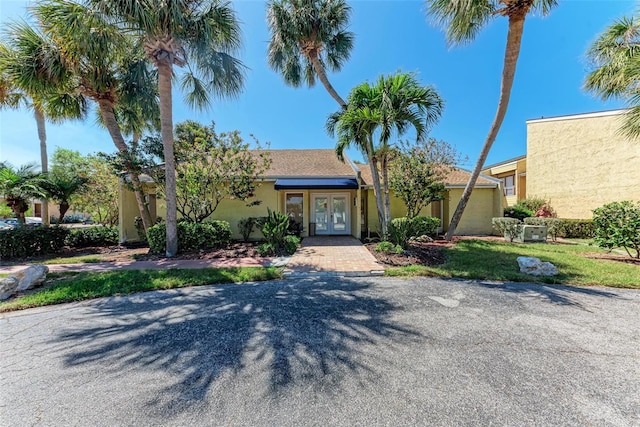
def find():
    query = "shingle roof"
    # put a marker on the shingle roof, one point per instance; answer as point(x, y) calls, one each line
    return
point(455, 178)
point(307, 163)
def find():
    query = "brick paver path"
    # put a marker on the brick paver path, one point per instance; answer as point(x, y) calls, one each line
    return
point(333, 255)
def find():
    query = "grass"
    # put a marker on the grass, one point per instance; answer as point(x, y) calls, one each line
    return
point(68, 287)
point(490, 260)
point(80, 259)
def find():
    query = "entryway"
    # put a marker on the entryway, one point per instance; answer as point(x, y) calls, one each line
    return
point(330, 212)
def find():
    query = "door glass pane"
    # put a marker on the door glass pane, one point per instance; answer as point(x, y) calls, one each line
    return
point(320, 213)
point(293, 208)
point(339, 213)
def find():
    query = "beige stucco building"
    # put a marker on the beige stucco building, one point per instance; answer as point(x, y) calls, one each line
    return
point(581, 162)
point(513, 175)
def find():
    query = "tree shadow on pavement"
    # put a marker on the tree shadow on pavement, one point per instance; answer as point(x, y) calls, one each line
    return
point(307, 332)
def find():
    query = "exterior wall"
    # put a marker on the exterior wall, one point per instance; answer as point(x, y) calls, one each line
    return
point(516, 168)
point(484, 204)
point(581, 163)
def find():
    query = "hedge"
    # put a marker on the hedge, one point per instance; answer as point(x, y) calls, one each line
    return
point(92, 236)
point(191, 236)
point(24, 242)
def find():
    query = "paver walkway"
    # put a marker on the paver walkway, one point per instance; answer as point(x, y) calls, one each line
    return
point(332, 255)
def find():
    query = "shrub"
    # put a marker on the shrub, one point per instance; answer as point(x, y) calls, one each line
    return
point(576, 228)
point(400, 231)
point(274, 228)
point(266, 249)
point(617, 225)
point(92, 236)
point(545, 211)
point(140, 227)
point(508, 227)
point(425, 225)
point(191, 236)
point(389, 248)
point(27, 241)
point(246, 226)
point(291, 243)
point(517, 212)
point(532, 203)
point(552, 224)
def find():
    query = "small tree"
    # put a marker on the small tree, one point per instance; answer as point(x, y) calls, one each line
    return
point(417, 174)
point(100, 196)
point(617, 225)
point(61, 189)
point(19, 185)
point(212, 167)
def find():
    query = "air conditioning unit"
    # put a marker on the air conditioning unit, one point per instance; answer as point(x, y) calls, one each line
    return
point(532, 233)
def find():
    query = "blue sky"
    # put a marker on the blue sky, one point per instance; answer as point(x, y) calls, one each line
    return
point(389, 36)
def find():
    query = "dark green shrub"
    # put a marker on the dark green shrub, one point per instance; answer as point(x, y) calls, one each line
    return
point(274, 228)
point(517, 212)
point(291, 243)
point(617, 225)
point(92, 236)
point(192, 236)
point(266, 249)
point(576, 228)
point(508, 227)
point(389, 248)
point(425, 225)
point(552, 224)
point(400, 231)
point(532, 203)
point(246, 226)
point(27, 241)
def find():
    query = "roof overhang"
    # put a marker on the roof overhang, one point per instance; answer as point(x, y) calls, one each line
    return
point(316, 184)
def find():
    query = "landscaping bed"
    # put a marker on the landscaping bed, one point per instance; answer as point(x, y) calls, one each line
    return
point(418, 254)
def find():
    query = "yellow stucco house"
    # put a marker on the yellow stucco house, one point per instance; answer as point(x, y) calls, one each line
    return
point(329, 197)
point(513, 175)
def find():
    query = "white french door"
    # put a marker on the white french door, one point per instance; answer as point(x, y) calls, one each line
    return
point(330, 212)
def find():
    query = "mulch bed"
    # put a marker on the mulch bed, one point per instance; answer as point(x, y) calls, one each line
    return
point(417, 254)
point(233, 250)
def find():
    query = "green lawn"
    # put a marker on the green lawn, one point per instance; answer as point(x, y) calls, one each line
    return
point(80, 259)
point(68, 287)
point(491, 260)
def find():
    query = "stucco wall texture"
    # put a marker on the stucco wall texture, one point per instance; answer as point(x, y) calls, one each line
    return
point(581, 163)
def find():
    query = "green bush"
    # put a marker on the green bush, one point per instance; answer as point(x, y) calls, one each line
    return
point(532, 203)
point(389, 248)
point(266, 249)
point(246, 226)
point(425, 225)
point(192, 236)
point(400, 231)
point(27, 241)
point(517, 212)
point(617, 225)
point(508, 227)
point(552, 224)
point(291, 243)
point(576, 228)
point(92, 236)
point(275, 228)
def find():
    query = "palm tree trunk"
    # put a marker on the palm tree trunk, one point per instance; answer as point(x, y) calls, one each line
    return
point(64, 207)
point(512, 51)
point(385, 190)
point(165, 72)
point(319, 69)
point(44, 159)
point(373, 164)
point(111, 123)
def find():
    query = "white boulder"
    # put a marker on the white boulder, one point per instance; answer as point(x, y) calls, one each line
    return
point(32, 276)
point(8, 286)
point(535, 267)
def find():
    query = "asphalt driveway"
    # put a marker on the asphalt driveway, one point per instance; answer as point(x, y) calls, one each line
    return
point(361, 352)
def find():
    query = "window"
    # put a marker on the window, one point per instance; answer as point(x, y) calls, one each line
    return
point(508, 184)
point(293, 203)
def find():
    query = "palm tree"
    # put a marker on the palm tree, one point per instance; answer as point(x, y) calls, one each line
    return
point(615, 56)
point(200, 35)
point(61, 189)
point(462, 20)
point(108, 69)
point(390, 108)
point(306, 37)
point(32, 76)
point(19, 185)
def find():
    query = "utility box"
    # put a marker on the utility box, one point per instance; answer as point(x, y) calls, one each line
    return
point(532, 233)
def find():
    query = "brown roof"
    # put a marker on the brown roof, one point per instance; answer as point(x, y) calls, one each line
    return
point(455, 178)
point(307, 163)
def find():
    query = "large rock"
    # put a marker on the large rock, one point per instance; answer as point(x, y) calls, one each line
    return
point(535, 267)
point(32, 276)
point(8, 286)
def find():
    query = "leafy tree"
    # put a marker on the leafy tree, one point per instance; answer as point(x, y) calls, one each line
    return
point(210, 168)
point(614, 56)
point(61, 189)
point(67, 164)
point(306, 37)
point(417, 174)
point(110, 69)
point(462, 20)
point(19, 185)
point(617, 225)
point(391, 107)
point(200, 35)
point(100, 196)
point(32, 76)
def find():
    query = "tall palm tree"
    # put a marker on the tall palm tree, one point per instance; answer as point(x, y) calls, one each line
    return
point(200, 35)
point(390, 108)
point(61, 189)
point(306, 37)
point(18, 185)
point(615, 56)
point(107, 68)
point(462, 20)
point(32, 76)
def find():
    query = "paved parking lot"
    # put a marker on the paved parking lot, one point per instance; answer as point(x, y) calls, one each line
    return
point(330, 351)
